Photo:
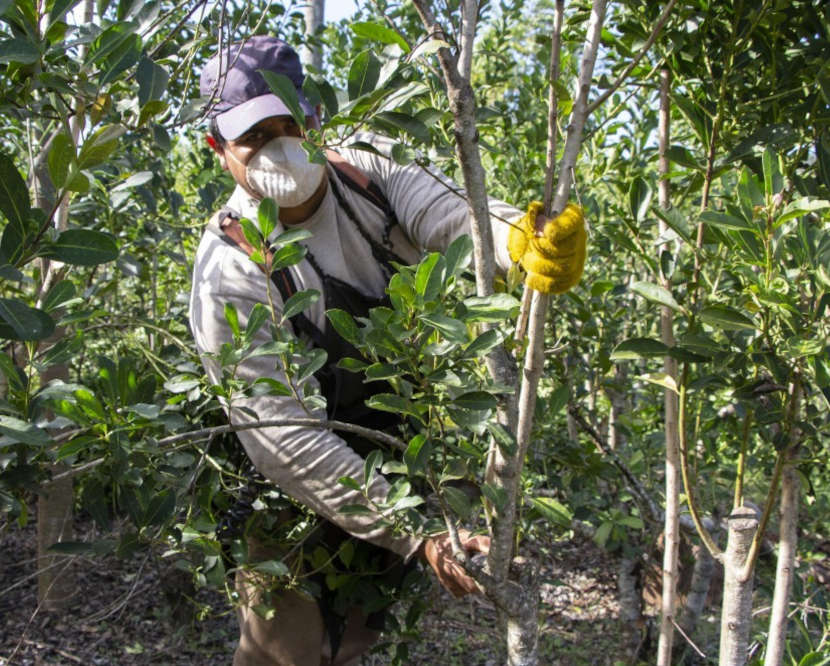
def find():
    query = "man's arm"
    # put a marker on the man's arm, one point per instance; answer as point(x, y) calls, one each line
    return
point(431, 208)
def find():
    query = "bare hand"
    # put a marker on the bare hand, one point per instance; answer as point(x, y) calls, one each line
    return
point(437, 551)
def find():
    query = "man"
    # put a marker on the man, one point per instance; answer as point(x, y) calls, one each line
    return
point(363, 211)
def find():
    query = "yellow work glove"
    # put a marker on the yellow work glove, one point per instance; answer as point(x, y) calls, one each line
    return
point(554, 260)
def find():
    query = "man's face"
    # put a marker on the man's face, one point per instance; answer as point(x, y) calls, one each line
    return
point(246, 146)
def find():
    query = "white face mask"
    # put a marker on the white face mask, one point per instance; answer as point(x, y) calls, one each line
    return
point(281, 170)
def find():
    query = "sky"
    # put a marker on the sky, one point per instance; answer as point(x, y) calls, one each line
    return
point(338, 9)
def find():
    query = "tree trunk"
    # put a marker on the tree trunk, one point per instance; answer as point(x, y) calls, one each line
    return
point(522, 623)
point(736, 613)
point(55, 583)
point(704, 568)
point(787, 543)
point(314, 13)
point(631, 609)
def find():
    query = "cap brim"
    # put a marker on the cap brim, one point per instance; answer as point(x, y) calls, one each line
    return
point(235, 122)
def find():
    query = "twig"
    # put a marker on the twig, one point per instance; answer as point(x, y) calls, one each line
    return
point(688, 640)
point(664, 16)
point(62, 653)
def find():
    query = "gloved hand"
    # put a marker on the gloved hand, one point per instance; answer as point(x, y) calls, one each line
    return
point(554, 260)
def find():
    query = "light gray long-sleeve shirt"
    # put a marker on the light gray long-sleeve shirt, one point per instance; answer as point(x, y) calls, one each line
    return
point(306, 463)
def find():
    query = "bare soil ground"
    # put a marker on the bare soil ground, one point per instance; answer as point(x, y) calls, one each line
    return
point(124, 613)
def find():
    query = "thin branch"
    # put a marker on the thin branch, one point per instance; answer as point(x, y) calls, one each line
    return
point(368, 433)
point(664, 17)
point(533, 367)
point(688, 488)
point(469, 10)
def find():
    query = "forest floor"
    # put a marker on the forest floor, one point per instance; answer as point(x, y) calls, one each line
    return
point(120, 615)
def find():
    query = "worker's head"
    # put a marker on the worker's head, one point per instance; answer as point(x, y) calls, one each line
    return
point(251, 129)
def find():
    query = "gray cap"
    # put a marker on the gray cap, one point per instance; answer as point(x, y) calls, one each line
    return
point(241, 97)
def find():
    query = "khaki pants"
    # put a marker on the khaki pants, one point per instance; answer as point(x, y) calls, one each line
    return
point(296, 634)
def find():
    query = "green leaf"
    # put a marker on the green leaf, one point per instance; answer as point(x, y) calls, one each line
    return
point(161, 508)
point(324, 91)
point(150, 110)
point(267, 215)
point(84, 247)
point(801, 207)
point(726, 221)
point(676, 221)
point(284, 88)
point(428, 285)
point(696, 116)
point(61, 156)
point(232, 317)
point(634, 522)
point(26, 433)
point(274, 387)
point(403, 121)
point(379, 33)
point(351, 364)
point(639, 199)
point(503, 437)
point(99, 146)
point(59, 294)
point(553, 511)
point(452, 329)
point(773, 180)
point(259, 315)
point(372, 462)
point(381, 371)
point(181, 383)
point(363, 74)
point(494, 308)
point(152, 81)
point(58, 9)
point(416, 454)
point(476, 400)
point(316, 360)
point(800, 346)
point(21, 322)
point(18, 50)
point(636, 348)
point(457, 500)
point(483, 343)
point(683, 157)
point(288, 255)
point(115, 50)
point(459, 254)
point(660, 379)
point(427, 48)
point(495, 494)
point(14, 195)
point(345, 325)
point(602, 533)
point(656, 294)
point(349, 482)
point(274, 568)
point(749, 193)
point(726, 318)
point(299, 302)
point(389, 402)
point(135, 180)
point(292, 236)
